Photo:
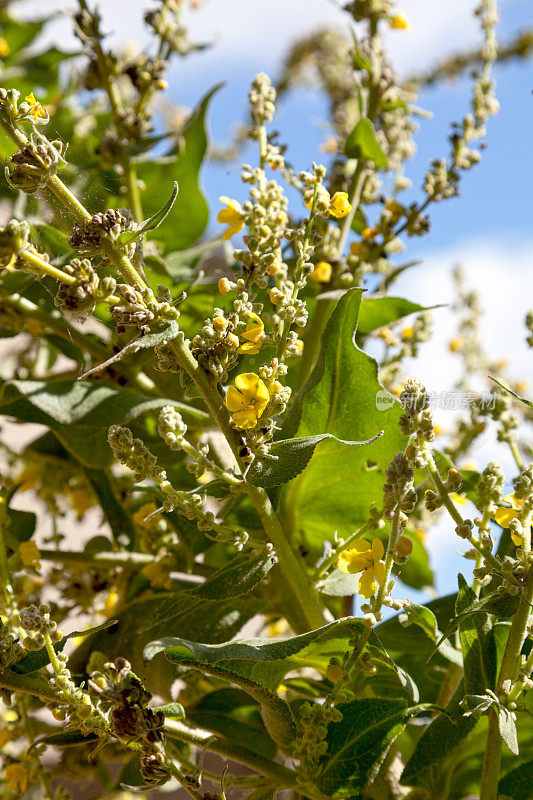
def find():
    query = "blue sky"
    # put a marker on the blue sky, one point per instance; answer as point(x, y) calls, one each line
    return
point(488, 229)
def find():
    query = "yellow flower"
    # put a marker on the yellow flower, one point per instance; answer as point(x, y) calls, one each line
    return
point(339, 205)
point(28, 553)
point(408, 332)
point(455, 345)
point(399, 22)
point(300, 345)
point(4, 48)
point(369, 233)
point(247, 399)
point(232, 215)
point(321, 273)
point(16, 776)
point(366, 558)
point(438, 429)
point(253, 336)
point(36, 109)
point(504, 515)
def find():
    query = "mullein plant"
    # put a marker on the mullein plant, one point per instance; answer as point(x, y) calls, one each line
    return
point(213, 426)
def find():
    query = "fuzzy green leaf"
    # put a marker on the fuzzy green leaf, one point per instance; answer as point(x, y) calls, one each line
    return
point(291, 457)
point(358, 743)
point(340, 398)
point(182, 164)
point(148, 342)
point(80, 412)
point(264, 661)
point(362, 143)
point(153, 222)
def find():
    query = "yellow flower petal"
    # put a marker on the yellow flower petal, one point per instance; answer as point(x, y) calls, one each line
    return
point(503, 516)
point(513, 500)
point(377, 549)
point(321, 272)
point(340, 205)
point(234, 399)
point(379, 571)
point(367, 584)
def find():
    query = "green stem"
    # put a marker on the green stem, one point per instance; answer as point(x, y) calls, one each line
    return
point(510, 665)
point(283, 776)
point(454, 513)
point(305, 600)
point(394, 535)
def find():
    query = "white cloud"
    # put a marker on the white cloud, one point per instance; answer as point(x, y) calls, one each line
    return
point(258, 32)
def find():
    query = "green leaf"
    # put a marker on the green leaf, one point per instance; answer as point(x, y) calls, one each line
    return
point(442, 736)
point(516, 785)
point(173, 710)
point(375, 312)
point(422, 616)
point(240, 576)
point(120, 523)
point(362, 143)
point(359, 222)
point(148, 342)
point(213, 622)
point(153, 222)
point(291, 457)
point(80, 412)
point(181, 164)
point(507, 726)
point(357, 744)
point(264, 661)
point(477, 643)
point(39, 658)
point(234, 715)
point(340, 398)
point(71, 738)
point(21, 527)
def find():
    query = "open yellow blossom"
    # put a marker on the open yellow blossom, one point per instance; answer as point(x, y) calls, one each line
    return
point(247, 399)
point(365, 558)
point(36, 109)
point(399, 22)
point(28, 553)
point(321, 272)
point(16, 776)
point(339, 205)
point(253, 336)
point(232, 215)
point(408, 333)
point(4, 48)
point(505, 515)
